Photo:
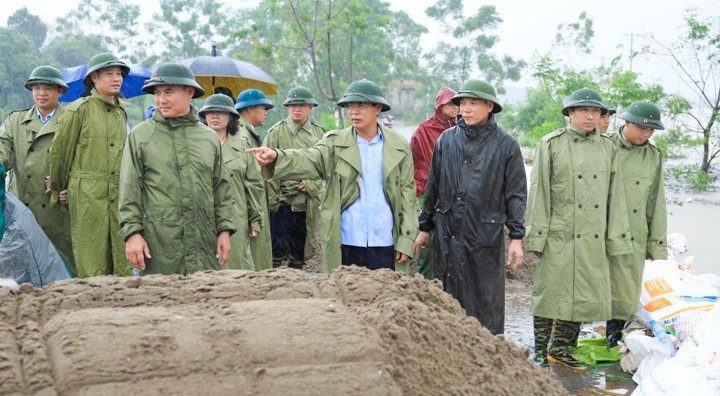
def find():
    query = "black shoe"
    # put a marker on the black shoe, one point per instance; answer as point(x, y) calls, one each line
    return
point(564, 358)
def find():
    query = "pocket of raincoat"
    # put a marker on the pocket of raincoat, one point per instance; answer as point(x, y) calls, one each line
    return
point(442, 206)
point(490, 232)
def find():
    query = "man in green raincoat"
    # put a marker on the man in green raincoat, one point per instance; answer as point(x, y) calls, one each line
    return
point(369, 211)
point(84, 167)
point(294, 205)
point(25, 139)
point(253, 105)
point(220, 115)
point(642, 168)
point(576, 218)
point(175, 203)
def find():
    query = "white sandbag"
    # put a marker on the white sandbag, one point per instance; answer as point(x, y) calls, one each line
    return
point(695, 370)
point(677, 243)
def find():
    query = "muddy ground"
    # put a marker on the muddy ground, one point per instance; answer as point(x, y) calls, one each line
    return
point(356, 332)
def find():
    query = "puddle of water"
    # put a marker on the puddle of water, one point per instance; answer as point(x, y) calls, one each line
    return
point(597, 380)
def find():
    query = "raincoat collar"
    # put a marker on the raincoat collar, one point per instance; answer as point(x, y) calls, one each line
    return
point(245, 123)
point(475, 132)
point(294, 127)
point(579, 131)
point(626, 143)
point(119, 100)
point(188, 119)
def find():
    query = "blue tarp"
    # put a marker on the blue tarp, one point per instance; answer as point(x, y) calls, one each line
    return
point(132, 84)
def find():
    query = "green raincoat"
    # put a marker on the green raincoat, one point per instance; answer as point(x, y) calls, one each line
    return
point(336, 159)
point(260, 247)
point(85, 159)
point(246, 184)
point(24, 147)
point(175, 192)
point(643, 178)
point(576, 218)
point(287, 134)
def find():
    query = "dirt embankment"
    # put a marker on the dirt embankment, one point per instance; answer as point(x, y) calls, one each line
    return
point(356, 332)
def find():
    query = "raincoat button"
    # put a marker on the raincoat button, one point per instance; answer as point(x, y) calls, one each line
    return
point(660, 242)
point(637, 182)
point(576, 140)
point(539, 232)
point(112, 173)
point(29, 176)
point(597, 206)
point(597, 236)
point(42, 205)
point(634, 210)
point(578, 235)
point(580, 206)
point(623, 235)
point(594, 176)
point(458, 198)
point(112, 144)
point(632, 238)
point(579, 176)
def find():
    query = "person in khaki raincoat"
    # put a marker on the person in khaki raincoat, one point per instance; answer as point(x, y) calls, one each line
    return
point(642, 168)
point(346, 214)
point(85, 160)
point(219, 114)
point(294, 205)
point(175, 203)
point(253, 105)
point(576, 218)
point(25, 139)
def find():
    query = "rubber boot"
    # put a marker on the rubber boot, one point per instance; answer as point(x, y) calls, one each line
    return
point(613, 332)
point(566, 335)
point(542, 327)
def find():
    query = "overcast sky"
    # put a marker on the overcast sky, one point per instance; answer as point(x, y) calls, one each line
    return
point(528, 26)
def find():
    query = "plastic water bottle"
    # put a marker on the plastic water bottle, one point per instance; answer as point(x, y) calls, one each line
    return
point(135, 272)
point(662, 336)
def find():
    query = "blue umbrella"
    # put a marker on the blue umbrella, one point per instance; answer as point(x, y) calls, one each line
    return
point(132, 84)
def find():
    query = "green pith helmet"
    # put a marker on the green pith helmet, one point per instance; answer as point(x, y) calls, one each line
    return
point(220, 103)
point(644, 114)
point(584, 97)
point(173, 74)
point(300, 95)
point(479, 90)
point(101, 61)
point(46, 75)
point(364, 91)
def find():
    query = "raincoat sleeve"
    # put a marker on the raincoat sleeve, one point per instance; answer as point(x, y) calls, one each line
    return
point(657, 217)
point(62, 151)
point(618, 229)
point(408, 212)
point(310, 163)
point(221, 195)
point(515, 193)
point(426, 221)
point(130, 207)
point(253, 185)
point(7, 133)
point(314, 187)
point(273, 186)
point(538, 213)
point(421, 157)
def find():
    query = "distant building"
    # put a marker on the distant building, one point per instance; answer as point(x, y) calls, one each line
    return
point(401, 94)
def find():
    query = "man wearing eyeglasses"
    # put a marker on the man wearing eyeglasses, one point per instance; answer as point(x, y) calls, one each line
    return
point(368, 212)
point(25, 139)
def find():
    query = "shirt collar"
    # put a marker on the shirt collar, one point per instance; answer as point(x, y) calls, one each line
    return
point(46, 119)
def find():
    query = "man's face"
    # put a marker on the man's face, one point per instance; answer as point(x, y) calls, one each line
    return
point(46, 96)
point(300, 112)
point(173, 101)
point(256, 115)
point(363, 115)
point(585, 118)
point(475, 111)
point(604, 122)
point(218, 120)
point(637, 134)
point(108, 81)
point(449, 110)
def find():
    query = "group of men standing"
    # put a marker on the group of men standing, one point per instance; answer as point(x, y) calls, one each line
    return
point(167, 196)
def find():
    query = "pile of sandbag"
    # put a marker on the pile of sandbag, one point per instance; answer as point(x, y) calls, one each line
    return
point(675, 332)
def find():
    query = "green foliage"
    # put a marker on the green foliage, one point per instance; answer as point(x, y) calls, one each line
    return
point(695, 177)
point(22, 21)
point(470, 49)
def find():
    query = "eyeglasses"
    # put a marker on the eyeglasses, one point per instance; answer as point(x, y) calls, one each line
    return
point(358, 106)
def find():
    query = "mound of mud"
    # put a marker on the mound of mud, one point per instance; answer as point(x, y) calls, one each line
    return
point(356, 332)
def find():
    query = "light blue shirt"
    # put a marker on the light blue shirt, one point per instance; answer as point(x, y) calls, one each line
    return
point(368, 222)
point(46, 119)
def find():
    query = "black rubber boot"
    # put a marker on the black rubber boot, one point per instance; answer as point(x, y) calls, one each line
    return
point(613, 332)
